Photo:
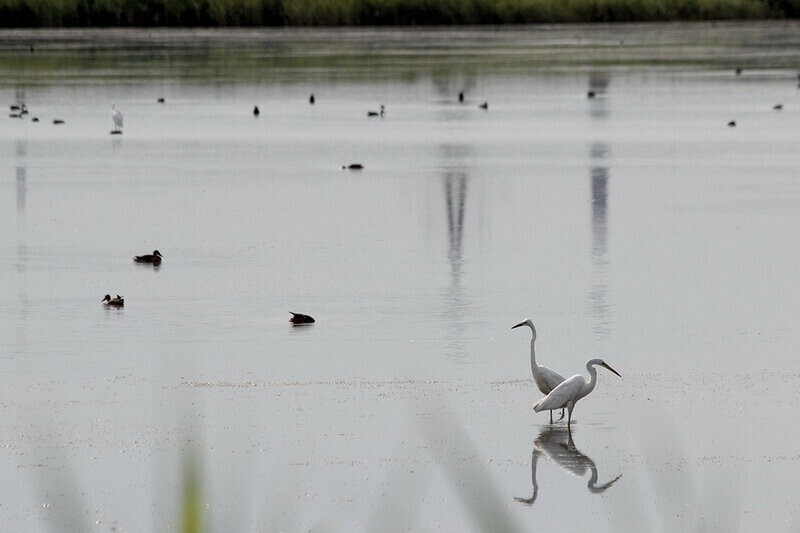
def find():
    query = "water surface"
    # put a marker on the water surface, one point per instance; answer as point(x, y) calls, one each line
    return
point(635, 226)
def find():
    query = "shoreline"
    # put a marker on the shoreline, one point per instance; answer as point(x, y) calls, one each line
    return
point(361, 13)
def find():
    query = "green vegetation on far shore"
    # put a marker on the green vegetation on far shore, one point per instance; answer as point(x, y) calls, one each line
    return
point(148, 13)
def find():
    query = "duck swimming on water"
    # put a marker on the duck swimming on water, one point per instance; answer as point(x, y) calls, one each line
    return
point(376, 113)
point(119, 301)
point(300, 319)
point(154, 258)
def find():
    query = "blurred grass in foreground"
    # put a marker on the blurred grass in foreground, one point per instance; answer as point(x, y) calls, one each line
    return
point(92, 13)
point(192, 504)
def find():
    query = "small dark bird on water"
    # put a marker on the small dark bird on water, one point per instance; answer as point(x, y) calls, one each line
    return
point(311, 99)
point(256, 112)
point(590, 94)
point(376, 113)
point(119, 301)
point(738, 71)
point(154, 258)
point(484, 105)
point(19, 110)
point(300, 320)
point(161, 100)
point(353, 166)
point(777, 107)
point(461, 97)
point(35, 119)
point(732, 124)
point(58, 121)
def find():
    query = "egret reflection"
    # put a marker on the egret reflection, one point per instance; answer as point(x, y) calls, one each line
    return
point(556, 444)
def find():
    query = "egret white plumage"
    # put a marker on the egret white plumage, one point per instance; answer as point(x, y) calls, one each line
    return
point(571, 390)
point(116, 116)
point(545, 378)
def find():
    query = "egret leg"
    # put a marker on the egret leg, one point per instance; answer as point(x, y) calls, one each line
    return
point(569, 419)
point(551, 416)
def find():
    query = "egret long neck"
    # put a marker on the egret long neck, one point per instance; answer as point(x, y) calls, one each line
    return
point(534, 366)
point(589, 387)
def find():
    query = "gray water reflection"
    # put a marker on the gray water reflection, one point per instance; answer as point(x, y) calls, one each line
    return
point(598, 292)
point(599, 153)
point(21, 168)
point(456, 184)
point(598, 89)
point(555, 443)
point(449, 84)
point(21, 149)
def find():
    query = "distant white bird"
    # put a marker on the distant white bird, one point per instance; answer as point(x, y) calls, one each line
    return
point(116, 116)
point(571, 390)
point(546, 379)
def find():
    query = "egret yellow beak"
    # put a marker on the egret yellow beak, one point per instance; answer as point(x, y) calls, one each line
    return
point(608, 367)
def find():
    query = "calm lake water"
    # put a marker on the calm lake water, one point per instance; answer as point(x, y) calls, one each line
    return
point(635, 226)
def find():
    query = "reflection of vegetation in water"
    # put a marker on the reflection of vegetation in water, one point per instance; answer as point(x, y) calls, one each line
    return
point(453, 60)
point(84, 13)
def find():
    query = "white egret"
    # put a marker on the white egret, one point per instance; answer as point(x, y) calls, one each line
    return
point(116, 116)
point(571, 390)
point(545, 378)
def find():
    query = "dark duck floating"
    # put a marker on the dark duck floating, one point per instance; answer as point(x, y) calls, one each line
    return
point(484, 105)
point(300, 319)
point(377, 113)
point(590, 94)
point(461, 97)
point(353, 166)
point(161, 100)
point(777, 107)
point(19, 110)
point(119, 301)
point(154, 258)
point(311, 99)
point(732, 124)
point(57, 121)
point(256, 112)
